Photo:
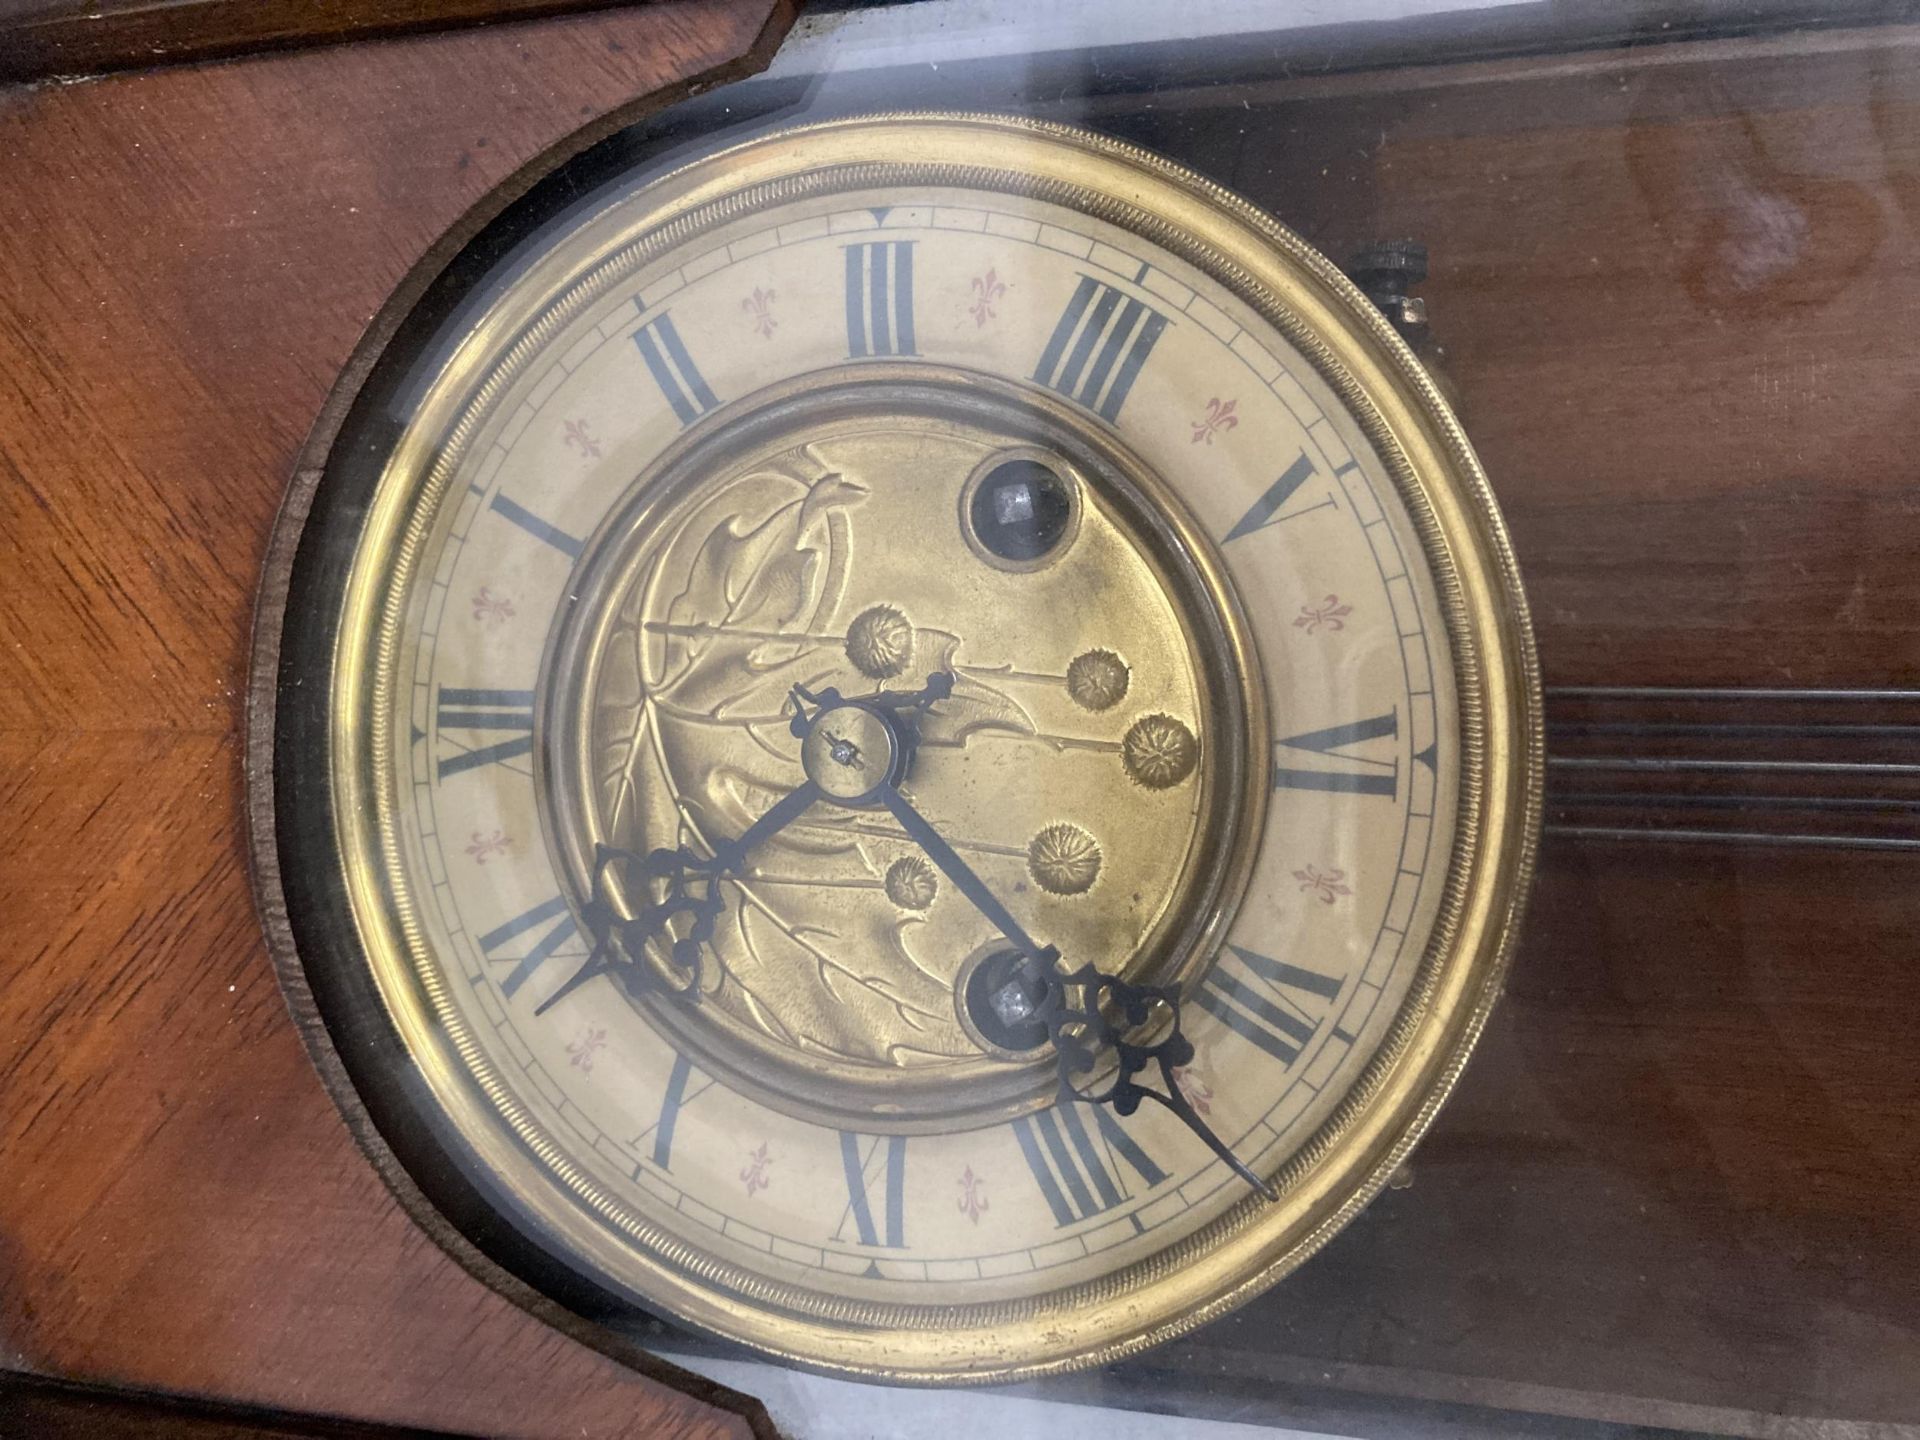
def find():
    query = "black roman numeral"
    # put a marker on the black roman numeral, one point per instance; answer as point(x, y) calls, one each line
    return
point(1078, 1176)
point(1283, 1029)
point(1350, 774)
point(1267, 509)
point(486, 711)
point(1095, 353)
point(540, 530)
point(670, 1103)
point(555, 914)
point(880, 298)
point(887, 1156)
point(673, 368)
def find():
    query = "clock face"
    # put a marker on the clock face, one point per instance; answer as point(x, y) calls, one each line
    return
point(928, 744)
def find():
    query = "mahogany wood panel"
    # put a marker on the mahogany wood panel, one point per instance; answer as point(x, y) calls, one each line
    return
point(1675, 1187)
point(189, 258)
point(74, 37)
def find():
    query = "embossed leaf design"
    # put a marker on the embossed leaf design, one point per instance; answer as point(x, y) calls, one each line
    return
point(694, 744)
point(817, 989)
point(744, 602)
point(743, 628)
point(765, 551)
point(976, 703)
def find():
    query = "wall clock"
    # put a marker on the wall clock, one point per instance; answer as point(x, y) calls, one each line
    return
point(913, 743)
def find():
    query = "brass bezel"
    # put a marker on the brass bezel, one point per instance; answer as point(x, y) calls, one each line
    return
point(1440, 481)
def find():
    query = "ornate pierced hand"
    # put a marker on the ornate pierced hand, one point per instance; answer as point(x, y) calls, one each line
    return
point(619, 942)
point(693, 881)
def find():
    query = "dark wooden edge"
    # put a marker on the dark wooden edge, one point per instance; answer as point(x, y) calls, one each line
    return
point(270, 895)
point(1294, 1396)
point(48, 1409)
point(78, 39)
point(137, 34)
point(1404, 1403)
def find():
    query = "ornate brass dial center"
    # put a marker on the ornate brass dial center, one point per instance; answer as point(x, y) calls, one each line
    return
point(861, 532)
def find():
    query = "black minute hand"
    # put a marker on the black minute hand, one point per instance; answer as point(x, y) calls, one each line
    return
point(959, 872)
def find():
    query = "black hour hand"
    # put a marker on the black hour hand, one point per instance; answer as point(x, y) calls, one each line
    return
point(808, 705)
point(692, 891)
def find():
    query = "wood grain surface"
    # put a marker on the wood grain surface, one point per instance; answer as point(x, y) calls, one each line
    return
point(190, 257)
point(82, 37)
point(1674, 286)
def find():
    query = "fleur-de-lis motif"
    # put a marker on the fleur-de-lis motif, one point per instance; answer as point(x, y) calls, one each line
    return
point(576, 436)
point(1325, 883)
point(973, 1200)
point(491, 609)
point(755, 1174)
point(1194, 1086)
point(760, 306)
point(583, 1047)
point(484, 847)
point(1329, 614)
point(987, 292)
point(1220, 416)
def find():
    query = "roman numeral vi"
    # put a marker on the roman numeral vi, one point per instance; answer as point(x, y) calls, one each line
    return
point(881, 1225)
point(485, 711)
point(1346, 773)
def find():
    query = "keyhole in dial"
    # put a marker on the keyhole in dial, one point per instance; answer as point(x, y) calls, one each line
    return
point(1000, 1003)
point(1020, 511)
